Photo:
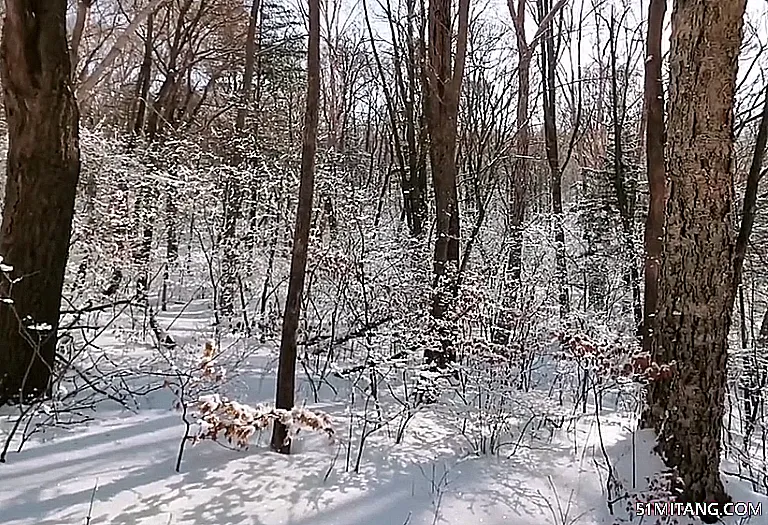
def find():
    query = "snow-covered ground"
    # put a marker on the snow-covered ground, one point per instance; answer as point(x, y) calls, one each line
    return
point(119, 468)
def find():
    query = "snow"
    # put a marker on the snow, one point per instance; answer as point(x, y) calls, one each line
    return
point(119, 468)
point(130, 460)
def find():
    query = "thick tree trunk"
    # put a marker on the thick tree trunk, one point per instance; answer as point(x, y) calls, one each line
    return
point(286, 373)
point(43, 170)
point(444, 171)
point(696, 282)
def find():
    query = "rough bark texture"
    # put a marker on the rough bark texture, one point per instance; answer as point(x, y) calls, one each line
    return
point(696, 281)
point(286, 373)
point(43, 169)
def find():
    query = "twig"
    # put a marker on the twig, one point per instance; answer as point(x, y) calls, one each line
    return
point(90, 507)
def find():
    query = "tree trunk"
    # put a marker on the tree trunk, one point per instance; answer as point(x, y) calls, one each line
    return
point(250, 63)
point(654, 153)
point(135, 129)
point(444, 88)
point(144, 80)
point(696, 281)
point(83, 8)
point(286, 374)
point(623, 197)
point(520, 174)
point(520, 169)
point(750, 194)
point(125, 37)
point(160, 120)
point(233, 190)
point(548, 67)
point(43, 170)
point(172, 242)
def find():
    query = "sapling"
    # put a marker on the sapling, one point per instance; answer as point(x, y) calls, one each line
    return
point(223, 420)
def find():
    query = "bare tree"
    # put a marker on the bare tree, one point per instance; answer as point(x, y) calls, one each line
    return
point(233, 191)
point(405, 104)
point(654, 147)
point(549, 91)
point(286, 374)
point(698, 275)
point(83, 8)
point(98, 72)
point(517, 187)
point(444, 77)
point(42, 175)
point(624, 193)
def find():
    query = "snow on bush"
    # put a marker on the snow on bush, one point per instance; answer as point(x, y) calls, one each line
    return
point(236, 422)
point(221, 418)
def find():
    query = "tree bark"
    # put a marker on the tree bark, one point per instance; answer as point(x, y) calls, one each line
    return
point(233, 186)
point(549, 91)
point(144, 81)
point(444, 78)
point(520, 169)
point(697, 275)
point(623, 196)
point(83, 8)
point(286, 374)
point(125, 37)
point(415, 130)
point(250, 65)
point(654, 153)
point(517, 187)
point(750, 194)
point(42, 175)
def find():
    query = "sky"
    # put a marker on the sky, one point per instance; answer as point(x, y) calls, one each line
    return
point(497, 10)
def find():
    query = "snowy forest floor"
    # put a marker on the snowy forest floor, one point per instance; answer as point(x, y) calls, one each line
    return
point(118, 468)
